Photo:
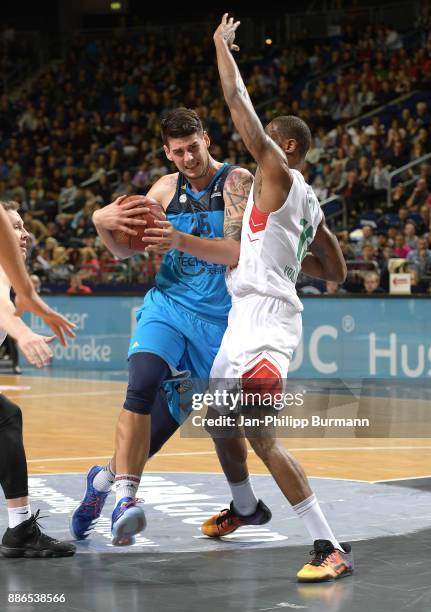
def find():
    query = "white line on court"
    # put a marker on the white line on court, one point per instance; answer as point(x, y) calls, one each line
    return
point(149, 472)
point(70, 394)
point(398, 479)
point(192, 453)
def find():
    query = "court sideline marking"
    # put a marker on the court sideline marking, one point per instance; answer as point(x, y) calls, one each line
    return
point(212, 452)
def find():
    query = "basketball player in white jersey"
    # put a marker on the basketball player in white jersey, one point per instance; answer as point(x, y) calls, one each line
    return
point(282, 221)
point(26, 295)
point(23, 538)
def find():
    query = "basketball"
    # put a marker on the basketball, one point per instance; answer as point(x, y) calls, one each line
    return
point(135, 242)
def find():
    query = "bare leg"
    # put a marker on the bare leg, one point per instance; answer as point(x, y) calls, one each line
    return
point(232, 454)
point(285, 469)
point(132, 442)
point(18, 502)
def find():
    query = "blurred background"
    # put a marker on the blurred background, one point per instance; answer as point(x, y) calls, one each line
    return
point(83, 85)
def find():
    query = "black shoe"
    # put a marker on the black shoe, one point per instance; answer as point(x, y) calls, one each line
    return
point(228, 520)
point(27, 540)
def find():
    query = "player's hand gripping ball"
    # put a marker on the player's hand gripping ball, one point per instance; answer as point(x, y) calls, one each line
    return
point(151, 211)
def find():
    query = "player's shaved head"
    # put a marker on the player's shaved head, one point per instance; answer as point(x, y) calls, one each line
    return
point(288, 127)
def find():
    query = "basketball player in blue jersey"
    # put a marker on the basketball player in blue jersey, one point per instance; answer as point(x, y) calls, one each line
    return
point(183, 318)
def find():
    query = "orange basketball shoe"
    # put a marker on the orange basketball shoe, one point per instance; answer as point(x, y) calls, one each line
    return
point(228, 520)
point(328, 563)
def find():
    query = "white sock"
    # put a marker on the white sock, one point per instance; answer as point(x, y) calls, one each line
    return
point(244, 498)
point(315, 521)
point(18, 515)
point(104, 480)
point(126, 485)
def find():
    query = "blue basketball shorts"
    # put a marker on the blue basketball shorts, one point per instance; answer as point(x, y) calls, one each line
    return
point(186, 342)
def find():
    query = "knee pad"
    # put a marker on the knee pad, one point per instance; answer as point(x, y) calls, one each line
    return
point(147, 372)
point(163, 424)
point(10, 414)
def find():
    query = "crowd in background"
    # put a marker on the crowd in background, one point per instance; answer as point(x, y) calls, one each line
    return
point(87, 130)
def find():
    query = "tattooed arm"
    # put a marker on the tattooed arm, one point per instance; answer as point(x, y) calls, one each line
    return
point(235, 195)
point(215, 250)
point(272, 162)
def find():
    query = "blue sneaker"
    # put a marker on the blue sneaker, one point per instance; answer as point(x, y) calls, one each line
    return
point(127, 520)
point(85, 515)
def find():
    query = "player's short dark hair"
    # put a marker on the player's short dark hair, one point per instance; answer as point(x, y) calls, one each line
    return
point(180, 122)
point(289, 126)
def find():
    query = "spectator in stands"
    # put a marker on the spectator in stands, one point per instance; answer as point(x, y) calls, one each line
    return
point(419, 195)
point(333, 288)
point(367, 253)
point(60, 268)
point(425, 173)
point(345, 246)
point(379, 183)
point(392, 234)
point(372, 283)
point(420, 259)
point(77, 287)
point(382, 241)
point(369, 237)
point(425, 219)
point(67, 197)
point(423, 117)
point(403, 214)
point(386, 255)
point(63, 231)
point(34, 227)
point(399, 197)
point(401, 249)
point(410, 234)
point(397, 155)
point(364, 170)
point(89, 267)
point(352, 191)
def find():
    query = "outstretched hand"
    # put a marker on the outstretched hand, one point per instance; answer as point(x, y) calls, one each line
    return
point(61, 326)
point(226, 32)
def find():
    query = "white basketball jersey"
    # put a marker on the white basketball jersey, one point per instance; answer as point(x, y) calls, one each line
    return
point(273, 245)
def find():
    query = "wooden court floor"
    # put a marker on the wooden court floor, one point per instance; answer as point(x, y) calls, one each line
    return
point(69, 425)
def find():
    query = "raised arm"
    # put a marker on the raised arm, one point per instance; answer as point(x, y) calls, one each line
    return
point(325, 259)
point(268, 155)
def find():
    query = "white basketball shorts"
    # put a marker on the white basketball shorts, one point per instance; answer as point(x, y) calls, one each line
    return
point(258, 344)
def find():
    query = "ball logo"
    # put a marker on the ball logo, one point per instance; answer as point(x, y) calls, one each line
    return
point(183, 198)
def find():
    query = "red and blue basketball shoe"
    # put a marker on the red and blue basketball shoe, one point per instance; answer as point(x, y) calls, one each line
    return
point(328, 563)
point(85, 516)
point(128, 519)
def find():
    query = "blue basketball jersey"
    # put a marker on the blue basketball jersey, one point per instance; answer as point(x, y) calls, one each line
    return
point(197, 285)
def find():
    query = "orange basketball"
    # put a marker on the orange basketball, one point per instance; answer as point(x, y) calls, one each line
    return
point(135, 242)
